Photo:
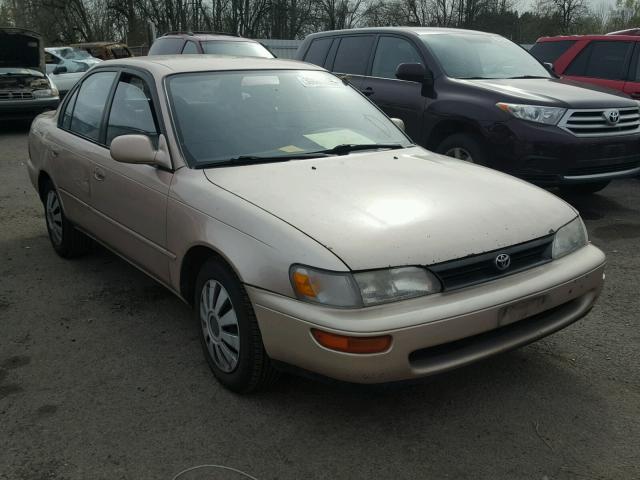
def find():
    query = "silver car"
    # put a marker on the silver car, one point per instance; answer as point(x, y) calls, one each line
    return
point(301, 224)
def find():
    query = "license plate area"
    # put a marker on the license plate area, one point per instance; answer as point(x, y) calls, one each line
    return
point(521, 310)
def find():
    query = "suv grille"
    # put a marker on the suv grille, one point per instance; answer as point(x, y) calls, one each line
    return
point(601, 122)
point(481, 268)
point(15, 95)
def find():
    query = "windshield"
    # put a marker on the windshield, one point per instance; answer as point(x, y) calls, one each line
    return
point(237, 48)
point(482, 56)
point(284, 113)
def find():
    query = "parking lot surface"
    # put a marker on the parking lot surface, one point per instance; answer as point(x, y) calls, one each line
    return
point(102, 377)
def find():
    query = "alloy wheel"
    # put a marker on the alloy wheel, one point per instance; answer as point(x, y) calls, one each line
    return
point(460, 154)
point(219, 324)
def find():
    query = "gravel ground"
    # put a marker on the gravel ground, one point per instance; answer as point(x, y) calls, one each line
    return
point(101, 377)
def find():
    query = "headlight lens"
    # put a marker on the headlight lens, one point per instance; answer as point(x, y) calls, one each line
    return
point(364, 288)
point(569, 238)
point(534, 113)
point(45, 93)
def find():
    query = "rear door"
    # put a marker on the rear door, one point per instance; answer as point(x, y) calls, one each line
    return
point(351, 57)
point(397, 98)
point(602, 62)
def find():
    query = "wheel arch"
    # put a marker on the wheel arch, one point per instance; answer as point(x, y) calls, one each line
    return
point(449, 127)
point(43, 179)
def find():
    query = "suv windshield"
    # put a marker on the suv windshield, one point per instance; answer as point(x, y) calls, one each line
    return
point(482, 56)
point(220, 116)
point(237, 48)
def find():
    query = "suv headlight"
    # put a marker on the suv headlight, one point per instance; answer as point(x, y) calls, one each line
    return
point(362, 289)
point(533, 113)
point(569, 238)
point(45, 93)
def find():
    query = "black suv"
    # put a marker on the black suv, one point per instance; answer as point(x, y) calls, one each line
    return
point(175, 43)
point(482, 98)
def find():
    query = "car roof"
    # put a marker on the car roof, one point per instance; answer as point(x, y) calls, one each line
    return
point(162, 65)
point(610, 37)
point(96, 44)
point(414, 30)
point(207, 36)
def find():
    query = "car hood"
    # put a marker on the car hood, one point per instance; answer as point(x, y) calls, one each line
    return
point(393, 208)
point(553, 92)
point(21, 48)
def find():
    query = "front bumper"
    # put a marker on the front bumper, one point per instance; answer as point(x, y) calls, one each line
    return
point(436, 333)
point(548, 155)
point(27, 108)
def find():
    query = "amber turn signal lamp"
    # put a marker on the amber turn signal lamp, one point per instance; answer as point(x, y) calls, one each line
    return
point(343, 343)
point(302, 284)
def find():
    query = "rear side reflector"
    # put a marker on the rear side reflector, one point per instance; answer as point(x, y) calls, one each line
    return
point(343, 343)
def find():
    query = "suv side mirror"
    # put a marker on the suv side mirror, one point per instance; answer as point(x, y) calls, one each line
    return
point(398, 123)
point(415, 72)
point(139, 150)
point(59, 70)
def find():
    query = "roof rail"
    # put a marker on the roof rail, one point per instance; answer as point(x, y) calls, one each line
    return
point(189, 32)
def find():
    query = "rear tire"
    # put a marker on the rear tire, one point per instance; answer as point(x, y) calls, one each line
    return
point(229, 332)
point(584, 188)
point(464, 146)
point(65, 239)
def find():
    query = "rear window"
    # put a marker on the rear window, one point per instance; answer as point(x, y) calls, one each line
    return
point(353, 55)
point(549, 52)
point(166, 46)
point(236, 48)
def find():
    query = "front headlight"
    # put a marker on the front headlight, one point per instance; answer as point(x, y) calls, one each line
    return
point(569, 238)
point(45, 93)
point(534, 113)
point(360, 289)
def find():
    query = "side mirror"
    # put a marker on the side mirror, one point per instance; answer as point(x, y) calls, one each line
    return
point(549, 66)
point(139, 150)
point(59, 70)
point(415, 72)
point(398, 123)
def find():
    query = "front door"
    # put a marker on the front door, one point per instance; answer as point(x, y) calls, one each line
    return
point(131, 200)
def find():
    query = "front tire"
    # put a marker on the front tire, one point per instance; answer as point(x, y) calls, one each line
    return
point(229, 332)
point(65, 239)
point(584, 188)
point(465, 147)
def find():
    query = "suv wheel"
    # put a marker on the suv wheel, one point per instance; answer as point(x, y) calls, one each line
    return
point(585, 188)
point(65, 239)
point(465, 147)
point(229, 332)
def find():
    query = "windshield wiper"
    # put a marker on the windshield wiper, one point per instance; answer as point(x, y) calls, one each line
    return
point(255, 159)
point(346, 148)
point(525, 77)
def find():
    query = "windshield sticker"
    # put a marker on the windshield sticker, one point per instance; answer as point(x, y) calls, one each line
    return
point(291, 149)
point(338, 137)
point(318, 80)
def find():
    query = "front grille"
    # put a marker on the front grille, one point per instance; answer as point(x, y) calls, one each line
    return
point(598, 123)
point(15, 95)
point(481, 268)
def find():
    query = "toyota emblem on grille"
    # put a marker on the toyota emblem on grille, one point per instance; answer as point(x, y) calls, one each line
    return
point(612, 116)
point(502, 261)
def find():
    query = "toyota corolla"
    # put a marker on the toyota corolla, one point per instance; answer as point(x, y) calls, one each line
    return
point(302, 224)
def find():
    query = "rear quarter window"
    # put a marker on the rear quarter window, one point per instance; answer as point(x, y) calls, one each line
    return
point(551, 51)
point(317, 52)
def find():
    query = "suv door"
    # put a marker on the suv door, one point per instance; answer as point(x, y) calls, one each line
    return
point(602, 62)
point(131, 199)
point(352, 57)
point(397, 98)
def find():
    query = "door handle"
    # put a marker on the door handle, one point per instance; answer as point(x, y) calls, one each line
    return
point(98, 174)
point(368, 91)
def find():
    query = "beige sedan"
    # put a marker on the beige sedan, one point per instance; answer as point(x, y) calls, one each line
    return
point(303, 225)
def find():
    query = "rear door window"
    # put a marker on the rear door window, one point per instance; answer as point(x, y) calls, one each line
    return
point(353, 54)
point(391, 52)
point(90, 105)
point(602, 59)
point(190, 47)
point(549, 52)
point(317, 53)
